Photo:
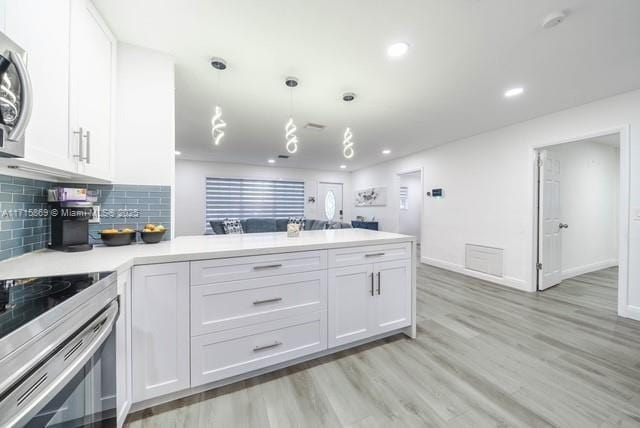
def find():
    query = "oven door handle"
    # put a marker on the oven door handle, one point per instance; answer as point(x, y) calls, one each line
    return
point(27, 402)
point(26, 97)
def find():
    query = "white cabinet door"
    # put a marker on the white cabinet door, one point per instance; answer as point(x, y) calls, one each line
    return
point(92, 67)
point(160, 314)
point(123, 348)
point(41, 27)
point(350, 291)
point(392, 300)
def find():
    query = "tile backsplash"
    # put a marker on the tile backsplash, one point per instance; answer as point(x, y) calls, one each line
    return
point(122, 206)
point(19, 233)
point(131, 206)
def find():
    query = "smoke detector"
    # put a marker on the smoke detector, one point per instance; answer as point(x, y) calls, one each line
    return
point(554, 19)
point(291, 82)
point(218, 63)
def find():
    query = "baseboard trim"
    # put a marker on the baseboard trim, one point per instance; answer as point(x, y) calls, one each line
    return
point(631, 312)
point(581, 270)
point(518, 284)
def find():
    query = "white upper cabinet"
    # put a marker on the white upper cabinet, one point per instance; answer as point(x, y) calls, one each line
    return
point(92, 70)
point(41, 27)
point(71, 57)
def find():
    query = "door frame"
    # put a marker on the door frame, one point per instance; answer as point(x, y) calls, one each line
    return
point(342, 194)
point(623, 212)
point(413, 171)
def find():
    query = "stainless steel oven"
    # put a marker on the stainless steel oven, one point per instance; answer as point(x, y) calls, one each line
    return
point(15, 98)
point(57, 351)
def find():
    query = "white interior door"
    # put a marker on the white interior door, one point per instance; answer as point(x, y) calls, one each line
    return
point(330, 201)
point(549, 226)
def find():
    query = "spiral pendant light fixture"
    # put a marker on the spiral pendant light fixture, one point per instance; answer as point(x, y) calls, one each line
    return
point(347, 138)
point(217, 123)
point(290, 128)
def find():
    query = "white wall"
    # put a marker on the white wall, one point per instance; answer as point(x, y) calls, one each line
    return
point(190, 188)
point(489, 189)
point(145, 119)
point(409, 220)
point(589, 183)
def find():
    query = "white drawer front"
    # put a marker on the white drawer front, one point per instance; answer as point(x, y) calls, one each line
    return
point(369, 254)
point(221, 355)
point(231, 269)
point(235, 304)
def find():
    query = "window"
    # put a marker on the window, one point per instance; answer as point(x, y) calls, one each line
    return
point(404, 198)
point(245, 198)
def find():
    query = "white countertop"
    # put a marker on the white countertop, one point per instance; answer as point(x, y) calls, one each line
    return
point(48, 262)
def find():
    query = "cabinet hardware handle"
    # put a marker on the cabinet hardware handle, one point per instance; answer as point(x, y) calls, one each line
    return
point(263, 347)
point(267, 266)
point(87, 156)
point(79, 133)
point(262, 302)
point(374, 255)
point(372, 293)
point(379, 282)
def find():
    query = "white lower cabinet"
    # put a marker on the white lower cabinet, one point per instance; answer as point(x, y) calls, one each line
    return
point(368, 299)
point(228, 353)
point(161, 339)
point(123, 348)
point(204, 322)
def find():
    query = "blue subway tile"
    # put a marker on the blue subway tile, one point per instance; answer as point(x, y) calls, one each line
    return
point(11, 188)
point(19, 233)
point(137, 194)
point(6, 179)
point(10, 244)
point(11, 224)
point(32, 239)
point(17, 197)
point(23, 181)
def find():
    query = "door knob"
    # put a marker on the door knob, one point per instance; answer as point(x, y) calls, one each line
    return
point(563, 226)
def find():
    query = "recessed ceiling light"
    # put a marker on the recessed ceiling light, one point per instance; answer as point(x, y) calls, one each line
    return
point(343, 166)
point(386, 151)
point(271, 161)
point(397, 49)
point(514, 92)
point(177, 152)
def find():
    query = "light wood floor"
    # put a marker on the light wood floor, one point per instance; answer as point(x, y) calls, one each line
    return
point(485, 356)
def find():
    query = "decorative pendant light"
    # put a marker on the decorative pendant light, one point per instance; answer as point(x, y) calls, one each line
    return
point(217, 124)
point(290, 127)
point(347, 138)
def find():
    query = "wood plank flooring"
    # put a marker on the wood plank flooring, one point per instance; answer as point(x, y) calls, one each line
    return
point(485, 356)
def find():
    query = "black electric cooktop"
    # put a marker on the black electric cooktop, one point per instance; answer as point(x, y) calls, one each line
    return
point(23, 300)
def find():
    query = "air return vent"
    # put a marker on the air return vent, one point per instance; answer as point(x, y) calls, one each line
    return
point(314, 126)
point(484, 259)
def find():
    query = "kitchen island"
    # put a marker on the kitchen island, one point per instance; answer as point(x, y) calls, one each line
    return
point(199, 312)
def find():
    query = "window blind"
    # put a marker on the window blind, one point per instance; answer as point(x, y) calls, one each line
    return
point(245, 198)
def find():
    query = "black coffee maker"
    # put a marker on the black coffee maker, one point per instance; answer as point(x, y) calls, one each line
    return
point(70, 225)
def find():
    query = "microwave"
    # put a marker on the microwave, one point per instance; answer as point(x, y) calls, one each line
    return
point(15, 98)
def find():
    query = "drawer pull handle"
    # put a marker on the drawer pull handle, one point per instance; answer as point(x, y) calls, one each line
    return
point(263, 347)
point(262, 302)
point(379, 282)
point(267, 266)
point(374, 255)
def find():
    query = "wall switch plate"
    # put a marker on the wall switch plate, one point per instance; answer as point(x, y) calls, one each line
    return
point(95, 215)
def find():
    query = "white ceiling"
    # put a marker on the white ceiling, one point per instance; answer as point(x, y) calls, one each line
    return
point(464, 54)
